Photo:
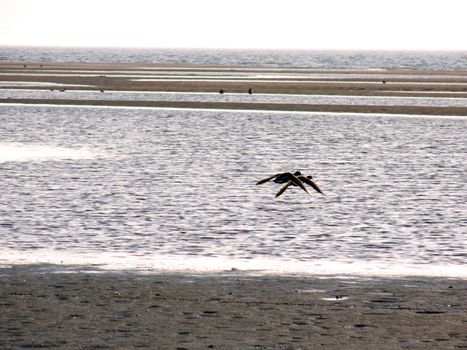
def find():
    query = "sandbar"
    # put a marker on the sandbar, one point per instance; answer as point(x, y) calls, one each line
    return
point(126, 77)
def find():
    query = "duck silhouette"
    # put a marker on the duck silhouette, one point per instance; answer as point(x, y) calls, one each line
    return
point(304, 179)
point(289, 179)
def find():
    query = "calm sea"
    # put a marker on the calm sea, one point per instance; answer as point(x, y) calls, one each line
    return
point(267, 58)
point(147, 189)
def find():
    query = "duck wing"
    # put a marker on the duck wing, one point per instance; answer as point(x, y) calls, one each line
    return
point(282, 190)
point(311, 183)
point(267, 179)
point(299, 183)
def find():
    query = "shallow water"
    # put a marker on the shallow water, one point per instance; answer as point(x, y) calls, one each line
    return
point(242, 74)
point(234, 97)
point(150, 189)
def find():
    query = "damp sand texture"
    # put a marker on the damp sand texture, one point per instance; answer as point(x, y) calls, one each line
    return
point(108, 311)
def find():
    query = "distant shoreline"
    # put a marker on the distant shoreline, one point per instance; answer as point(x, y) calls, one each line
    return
point(205, 78)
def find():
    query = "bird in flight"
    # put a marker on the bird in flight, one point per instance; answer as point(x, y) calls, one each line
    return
point(289, 179)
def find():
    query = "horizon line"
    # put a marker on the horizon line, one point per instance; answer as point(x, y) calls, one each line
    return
point(226, 48)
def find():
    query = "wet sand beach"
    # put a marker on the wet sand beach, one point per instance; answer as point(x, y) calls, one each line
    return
point(232, 79)
point(40, 309)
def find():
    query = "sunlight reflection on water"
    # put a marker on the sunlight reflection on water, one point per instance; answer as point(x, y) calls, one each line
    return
point(105, 261)
point(11, 152)
point(177, 190)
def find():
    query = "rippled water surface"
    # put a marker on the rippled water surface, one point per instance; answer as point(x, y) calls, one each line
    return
point(234, 97)
point(268, 58)
point(145, 188)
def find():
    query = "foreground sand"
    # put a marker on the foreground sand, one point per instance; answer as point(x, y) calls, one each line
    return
point(190, 78)
point(176, 311)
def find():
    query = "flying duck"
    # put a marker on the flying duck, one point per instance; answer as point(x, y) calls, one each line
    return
point(304, 179)
point(285, 178)
point(289, 179)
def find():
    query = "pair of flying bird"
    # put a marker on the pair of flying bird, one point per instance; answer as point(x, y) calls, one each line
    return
point(289, 179)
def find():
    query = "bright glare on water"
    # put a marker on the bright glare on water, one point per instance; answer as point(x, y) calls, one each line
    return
point(26, 153)
point(150, 189)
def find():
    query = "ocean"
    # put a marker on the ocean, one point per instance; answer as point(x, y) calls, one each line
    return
point(441, 60)
point(152, 189)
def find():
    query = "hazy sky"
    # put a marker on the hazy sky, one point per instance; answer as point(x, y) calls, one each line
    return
point(303, 24)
